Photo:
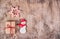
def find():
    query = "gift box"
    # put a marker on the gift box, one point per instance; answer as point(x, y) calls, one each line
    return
point(10, 27)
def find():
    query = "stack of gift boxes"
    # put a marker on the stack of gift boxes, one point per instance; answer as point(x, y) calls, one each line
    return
point(13, 16)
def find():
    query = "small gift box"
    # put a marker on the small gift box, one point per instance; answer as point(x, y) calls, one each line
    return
point(10, 27)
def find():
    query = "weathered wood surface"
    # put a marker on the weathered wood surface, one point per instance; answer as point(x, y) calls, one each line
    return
point(43, 18)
